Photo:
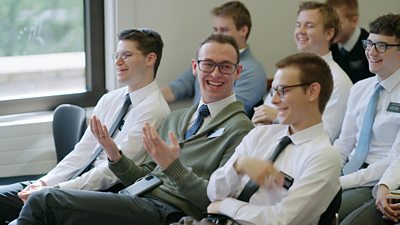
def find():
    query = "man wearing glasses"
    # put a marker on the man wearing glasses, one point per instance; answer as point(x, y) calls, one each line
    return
point(370, 137)
point(136, 60)
point(233, 19)
point(298, 185)
point(190, 144)
point(316, 26)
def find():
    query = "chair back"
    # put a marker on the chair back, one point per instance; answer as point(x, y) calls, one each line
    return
point(329, 216)
point(69, 125)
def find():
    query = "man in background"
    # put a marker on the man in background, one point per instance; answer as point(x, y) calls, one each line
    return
point(347, 49)
point(233, 19)
point(316, 26)
point(137, 58)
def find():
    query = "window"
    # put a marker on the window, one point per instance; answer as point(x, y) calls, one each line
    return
point(52, 53)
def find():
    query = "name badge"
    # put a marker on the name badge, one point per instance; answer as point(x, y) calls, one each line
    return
point(216, 133)
point(393, 107)
point(288, 182)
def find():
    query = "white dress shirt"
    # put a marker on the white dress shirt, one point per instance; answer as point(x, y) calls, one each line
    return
point(148, 105)
point(336, 107)
point(384, 131)
point(311, 160)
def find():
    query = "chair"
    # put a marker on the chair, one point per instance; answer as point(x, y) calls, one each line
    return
point(69, 125)
point(329, 217)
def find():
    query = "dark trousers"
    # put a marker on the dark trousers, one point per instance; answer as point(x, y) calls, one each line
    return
point(367, 214)
point(10, 203)
point(56, 206)
point(353, 199)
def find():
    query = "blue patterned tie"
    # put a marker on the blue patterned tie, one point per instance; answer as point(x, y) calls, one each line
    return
point(362, 148)
point(203, 112)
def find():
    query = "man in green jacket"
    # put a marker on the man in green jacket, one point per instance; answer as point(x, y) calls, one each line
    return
point(188, 147)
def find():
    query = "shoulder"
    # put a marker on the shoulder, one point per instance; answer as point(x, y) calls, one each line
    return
point(113, 95)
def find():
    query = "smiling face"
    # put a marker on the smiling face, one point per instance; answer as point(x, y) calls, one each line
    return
point(133, 68)
point(216, 86)
point(310, 35)
point(298, 107)
point(383, 64)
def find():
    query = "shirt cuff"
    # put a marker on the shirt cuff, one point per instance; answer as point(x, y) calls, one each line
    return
point(347, 182)
point(120, 166)
point(176, 170)
point(230, 206)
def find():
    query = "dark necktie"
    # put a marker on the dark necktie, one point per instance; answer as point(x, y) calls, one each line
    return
point(203, 112)
point(118, 123)
point(343, 51)
point(363, 144)
point(251, 187)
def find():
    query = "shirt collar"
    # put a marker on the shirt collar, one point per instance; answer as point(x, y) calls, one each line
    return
point(391, 82)
point(138, 95)
point(327, 57)
point(307, 134)
point(349, 45)
point(218, 106)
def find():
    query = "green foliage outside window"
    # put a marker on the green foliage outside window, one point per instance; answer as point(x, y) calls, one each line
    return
point(40, 27)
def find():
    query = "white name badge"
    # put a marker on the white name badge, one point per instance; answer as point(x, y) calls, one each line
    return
point(216, 133)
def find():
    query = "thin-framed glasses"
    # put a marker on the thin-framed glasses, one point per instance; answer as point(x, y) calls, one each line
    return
point(281, 89)
point(124, 56)
point(380, 47)
point(224, 67)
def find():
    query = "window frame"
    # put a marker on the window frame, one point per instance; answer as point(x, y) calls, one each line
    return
point(95, 70)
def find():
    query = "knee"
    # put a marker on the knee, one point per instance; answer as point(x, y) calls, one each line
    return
point(40, 198)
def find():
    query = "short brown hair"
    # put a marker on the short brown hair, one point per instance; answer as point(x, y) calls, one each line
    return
point(237, 11)
point(222, 39)
point(329, 15)
point(350, 5)
point(148, 41)
point(388, 25)
point(313, 69)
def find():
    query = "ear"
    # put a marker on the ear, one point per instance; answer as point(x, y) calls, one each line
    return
point(354, 21)
point(238, 71)
point(244, 31)
point(151, 59)
point(329, 33)
point(194, 67)
point(313, 91)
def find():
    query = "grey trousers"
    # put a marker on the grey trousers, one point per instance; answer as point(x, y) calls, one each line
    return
point(353, 199)
point(367, 214)
point(10, 203)
point(71, 207)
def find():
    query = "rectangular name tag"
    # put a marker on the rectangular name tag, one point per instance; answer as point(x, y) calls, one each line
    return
point(216, 133)
point(393, 107)
point(288, 180)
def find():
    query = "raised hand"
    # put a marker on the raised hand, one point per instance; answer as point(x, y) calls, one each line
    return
point(100, 131)
point(162, 153)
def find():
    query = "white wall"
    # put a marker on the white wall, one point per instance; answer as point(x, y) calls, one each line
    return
point(183, 23)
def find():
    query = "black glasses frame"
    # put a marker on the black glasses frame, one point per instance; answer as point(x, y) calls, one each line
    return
point(281, 89)
point(380, 47)
point(215, 65)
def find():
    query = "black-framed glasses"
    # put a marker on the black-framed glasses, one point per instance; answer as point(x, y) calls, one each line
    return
point(380, 47)
point(281, 89)
point(224, 67)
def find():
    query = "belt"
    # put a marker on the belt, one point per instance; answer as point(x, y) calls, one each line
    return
point(220, 219)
